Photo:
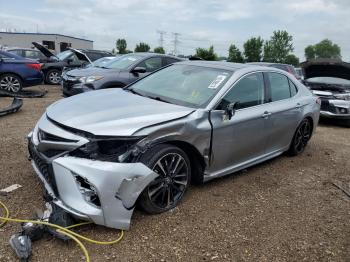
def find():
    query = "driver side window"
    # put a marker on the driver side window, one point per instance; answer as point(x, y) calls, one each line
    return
point(151, 64)
point(248, 92)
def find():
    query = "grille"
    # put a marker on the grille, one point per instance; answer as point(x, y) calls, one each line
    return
point(325, 106)
point(44, 167)
point(42, 135)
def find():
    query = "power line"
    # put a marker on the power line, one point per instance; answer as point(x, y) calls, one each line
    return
point(161, 37)
point(176, 42)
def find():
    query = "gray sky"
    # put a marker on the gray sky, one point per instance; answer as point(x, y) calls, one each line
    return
point(200, 23)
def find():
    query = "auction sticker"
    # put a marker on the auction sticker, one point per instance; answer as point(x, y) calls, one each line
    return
point(217, 81)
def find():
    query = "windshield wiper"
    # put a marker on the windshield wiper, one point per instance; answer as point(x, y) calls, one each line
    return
point(133, 91)
point(158, 99)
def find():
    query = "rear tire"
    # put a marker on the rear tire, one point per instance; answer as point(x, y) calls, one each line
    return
point(167, 190)
point(53, 77)
point(301, 138)
point(11, 83)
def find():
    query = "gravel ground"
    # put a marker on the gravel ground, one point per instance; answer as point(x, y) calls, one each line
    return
point(283, 210)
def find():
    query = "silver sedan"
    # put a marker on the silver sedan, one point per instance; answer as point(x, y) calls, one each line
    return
point(101, 153)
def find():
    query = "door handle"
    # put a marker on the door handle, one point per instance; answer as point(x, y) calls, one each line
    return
point(298, 106)
point(266, 114)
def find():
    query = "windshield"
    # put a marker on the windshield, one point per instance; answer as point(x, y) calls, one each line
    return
point(123, 62)
point(186, 85)
point(102, 62)
point(329, 80)
point(63, 55)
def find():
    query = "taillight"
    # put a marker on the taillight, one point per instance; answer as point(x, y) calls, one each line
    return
point(34, 66)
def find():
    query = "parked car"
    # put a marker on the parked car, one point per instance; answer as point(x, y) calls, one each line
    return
point(29, 53)
point(119, 72)
point(330, 80)
point(288, 68)
point(17, 72)
point(101, 152)
point(71, 58)
point(300, 73)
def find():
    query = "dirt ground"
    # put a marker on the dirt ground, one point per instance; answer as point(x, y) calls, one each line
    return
point(283, 210)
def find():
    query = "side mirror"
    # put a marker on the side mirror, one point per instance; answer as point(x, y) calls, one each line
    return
point(230, 110)
point(70, 60)
point(138, 69)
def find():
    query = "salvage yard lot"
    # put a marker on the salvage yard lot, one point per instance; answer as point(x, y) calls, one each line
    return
point(283, 210)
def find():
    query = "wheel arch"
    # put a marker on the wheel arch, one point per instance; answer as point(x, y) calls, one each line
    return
point(11, 73)
point(197, 160)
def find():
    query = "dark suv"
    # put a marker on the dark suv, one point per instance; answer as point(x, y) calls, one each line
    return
point(119, 72)
point(71, 58)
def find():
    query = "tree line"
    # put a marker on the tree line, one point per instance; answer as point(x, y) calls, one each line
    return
point(278, 49)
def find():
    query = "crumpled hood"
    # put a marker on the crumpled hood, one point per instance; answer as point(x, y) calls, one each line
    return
point(326, 68)
point(92, 71)
point(113, 112)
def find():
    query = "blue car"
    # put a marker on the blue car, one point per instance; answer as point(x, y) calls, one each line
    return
point(17, 72)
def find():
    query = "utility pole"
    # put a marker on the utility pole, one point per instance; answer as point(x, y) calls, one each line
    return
point(176, 42)
point(161, 37)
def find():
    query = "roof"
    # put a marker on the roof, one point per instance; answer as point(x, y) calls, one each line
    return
point(266, 63)
point(217, 64)
point(18, 33)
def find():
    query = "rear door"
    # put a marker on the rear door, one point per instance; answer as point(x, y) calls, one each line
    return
point(241, 139)
point(284, 111)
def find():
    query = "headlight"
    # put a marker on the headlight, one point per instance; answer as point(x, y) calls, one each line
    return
point(89, 79)
point(111, 150)
point(345, 96)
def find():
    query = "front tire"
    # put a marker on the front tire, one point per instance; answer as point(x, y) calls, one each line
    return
point(53, 77)
point(167, 190)
point(11, 83)
point(301, 138)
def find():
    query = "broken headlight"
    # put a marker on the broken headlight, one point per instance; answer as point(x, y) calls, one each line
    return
point(345, 96)
point(111, 150)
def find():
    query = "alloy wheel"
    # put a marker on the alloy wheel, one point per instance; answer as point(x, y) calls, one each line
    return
point(302, 136)
point(54, 77)
point(168, 188)
point(10, 83)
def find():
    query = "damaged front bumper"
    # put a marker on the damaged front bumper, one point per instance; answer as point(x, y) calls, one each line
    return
point(336, 109)
point(98, 191)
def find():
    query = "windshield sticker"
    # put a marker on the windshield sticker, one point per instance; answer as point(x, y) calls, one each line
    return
point(217, 82)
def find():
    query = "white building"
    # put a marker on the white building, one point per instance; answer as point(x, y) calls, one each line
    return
point(55, 42)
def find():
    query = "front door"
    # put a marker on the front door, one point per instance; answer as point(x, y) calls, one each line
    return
point(241, 139)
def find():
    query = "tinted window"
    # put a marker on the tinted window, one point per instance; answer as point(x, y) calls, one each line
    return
point(248, 92)
point(31, 54)
point(94, 56)
point(293, 88)
point(279, 86)
point(16, 52)
point(151, 64)
point(169, 60)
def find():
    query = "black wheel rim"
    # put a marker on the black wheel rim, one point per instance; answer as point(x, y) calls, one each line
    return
point(302, 136)
point(168, 188)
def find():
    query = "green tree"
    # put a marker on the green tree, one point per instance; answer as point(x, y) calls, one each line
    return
point(206, 54)
point(253, 49)
point(234, 54)
point(121, 46)
point(292, 59)
point(159, 50)
point(310, 52)
point(278, 47)
point(324, 49)
point(142, 47)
